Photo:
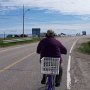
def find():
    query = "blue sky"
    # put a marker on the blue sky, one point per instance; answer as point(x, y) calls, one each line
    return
point(70, 17)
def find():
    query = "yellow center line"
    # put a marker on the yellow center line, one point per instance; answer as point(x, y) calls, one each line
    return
point(18, 61)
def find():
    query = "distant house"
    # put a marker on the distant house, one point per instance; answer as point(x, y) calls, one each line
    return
point(35, 31)
point(83, 32)
point(12, 35)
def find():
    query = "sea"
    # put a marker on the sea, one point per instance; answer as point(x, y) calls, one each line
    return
point(2, 35)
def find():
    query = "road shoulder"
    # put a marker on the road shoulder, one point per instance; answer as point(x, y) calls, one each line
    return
point(80, 69)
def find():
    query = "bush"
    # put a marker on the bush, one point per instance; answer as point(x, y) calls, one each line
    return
point(10, 36)
point(16, 35)
point(24, 35)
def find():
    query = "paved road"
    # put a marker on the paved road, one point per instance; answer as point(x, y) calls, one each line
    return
point(20, 67)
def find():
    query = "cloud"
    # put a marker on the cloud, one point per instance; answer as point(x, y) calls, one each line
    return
point(58, 28)
point(76, 7)
point(85, 17)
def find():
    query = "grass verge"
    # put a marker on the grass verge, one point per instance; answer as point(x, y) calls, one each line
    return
point(3, 44)
point(85, 48)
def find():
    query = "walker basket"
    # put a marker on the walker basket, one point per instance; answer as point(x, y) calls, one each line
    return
point(50, 65)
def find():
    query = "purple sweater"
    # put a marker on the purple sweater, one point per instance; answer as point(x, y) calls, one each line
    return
point(50, 47)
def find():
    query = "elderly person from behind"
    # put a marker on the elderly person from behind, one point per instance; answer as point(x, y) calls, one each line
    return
point(50, 47)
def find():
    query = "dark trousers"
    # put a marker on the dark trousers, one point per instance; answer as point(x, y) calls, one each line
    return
point(58, 77)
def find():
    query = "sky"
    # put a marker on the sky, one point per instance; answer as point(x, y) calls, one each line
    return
point(62, 16)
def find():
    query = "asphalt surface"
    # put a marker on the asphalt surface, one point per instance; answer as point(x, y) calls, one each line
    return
point(20, 67)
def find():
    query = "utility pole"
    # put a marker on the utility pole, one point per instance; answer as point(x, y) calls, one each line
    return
point(4, 35)
point(23, 21)
point(24, 11)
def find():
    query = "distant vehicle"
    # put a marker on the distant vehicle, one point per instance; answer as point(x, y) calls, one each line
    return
point(62, 34)
point(42, 34)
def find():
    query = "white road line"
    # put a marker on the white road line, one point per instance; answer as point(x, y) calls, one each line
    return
point(68, 67)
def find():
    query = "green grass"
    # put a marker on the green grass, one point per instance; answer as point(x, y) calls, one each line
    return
point(34, 39)
point(85, 47)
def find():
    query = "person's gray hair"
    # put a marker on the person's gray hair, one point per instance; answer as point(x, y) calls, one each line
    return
point(50, 33)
